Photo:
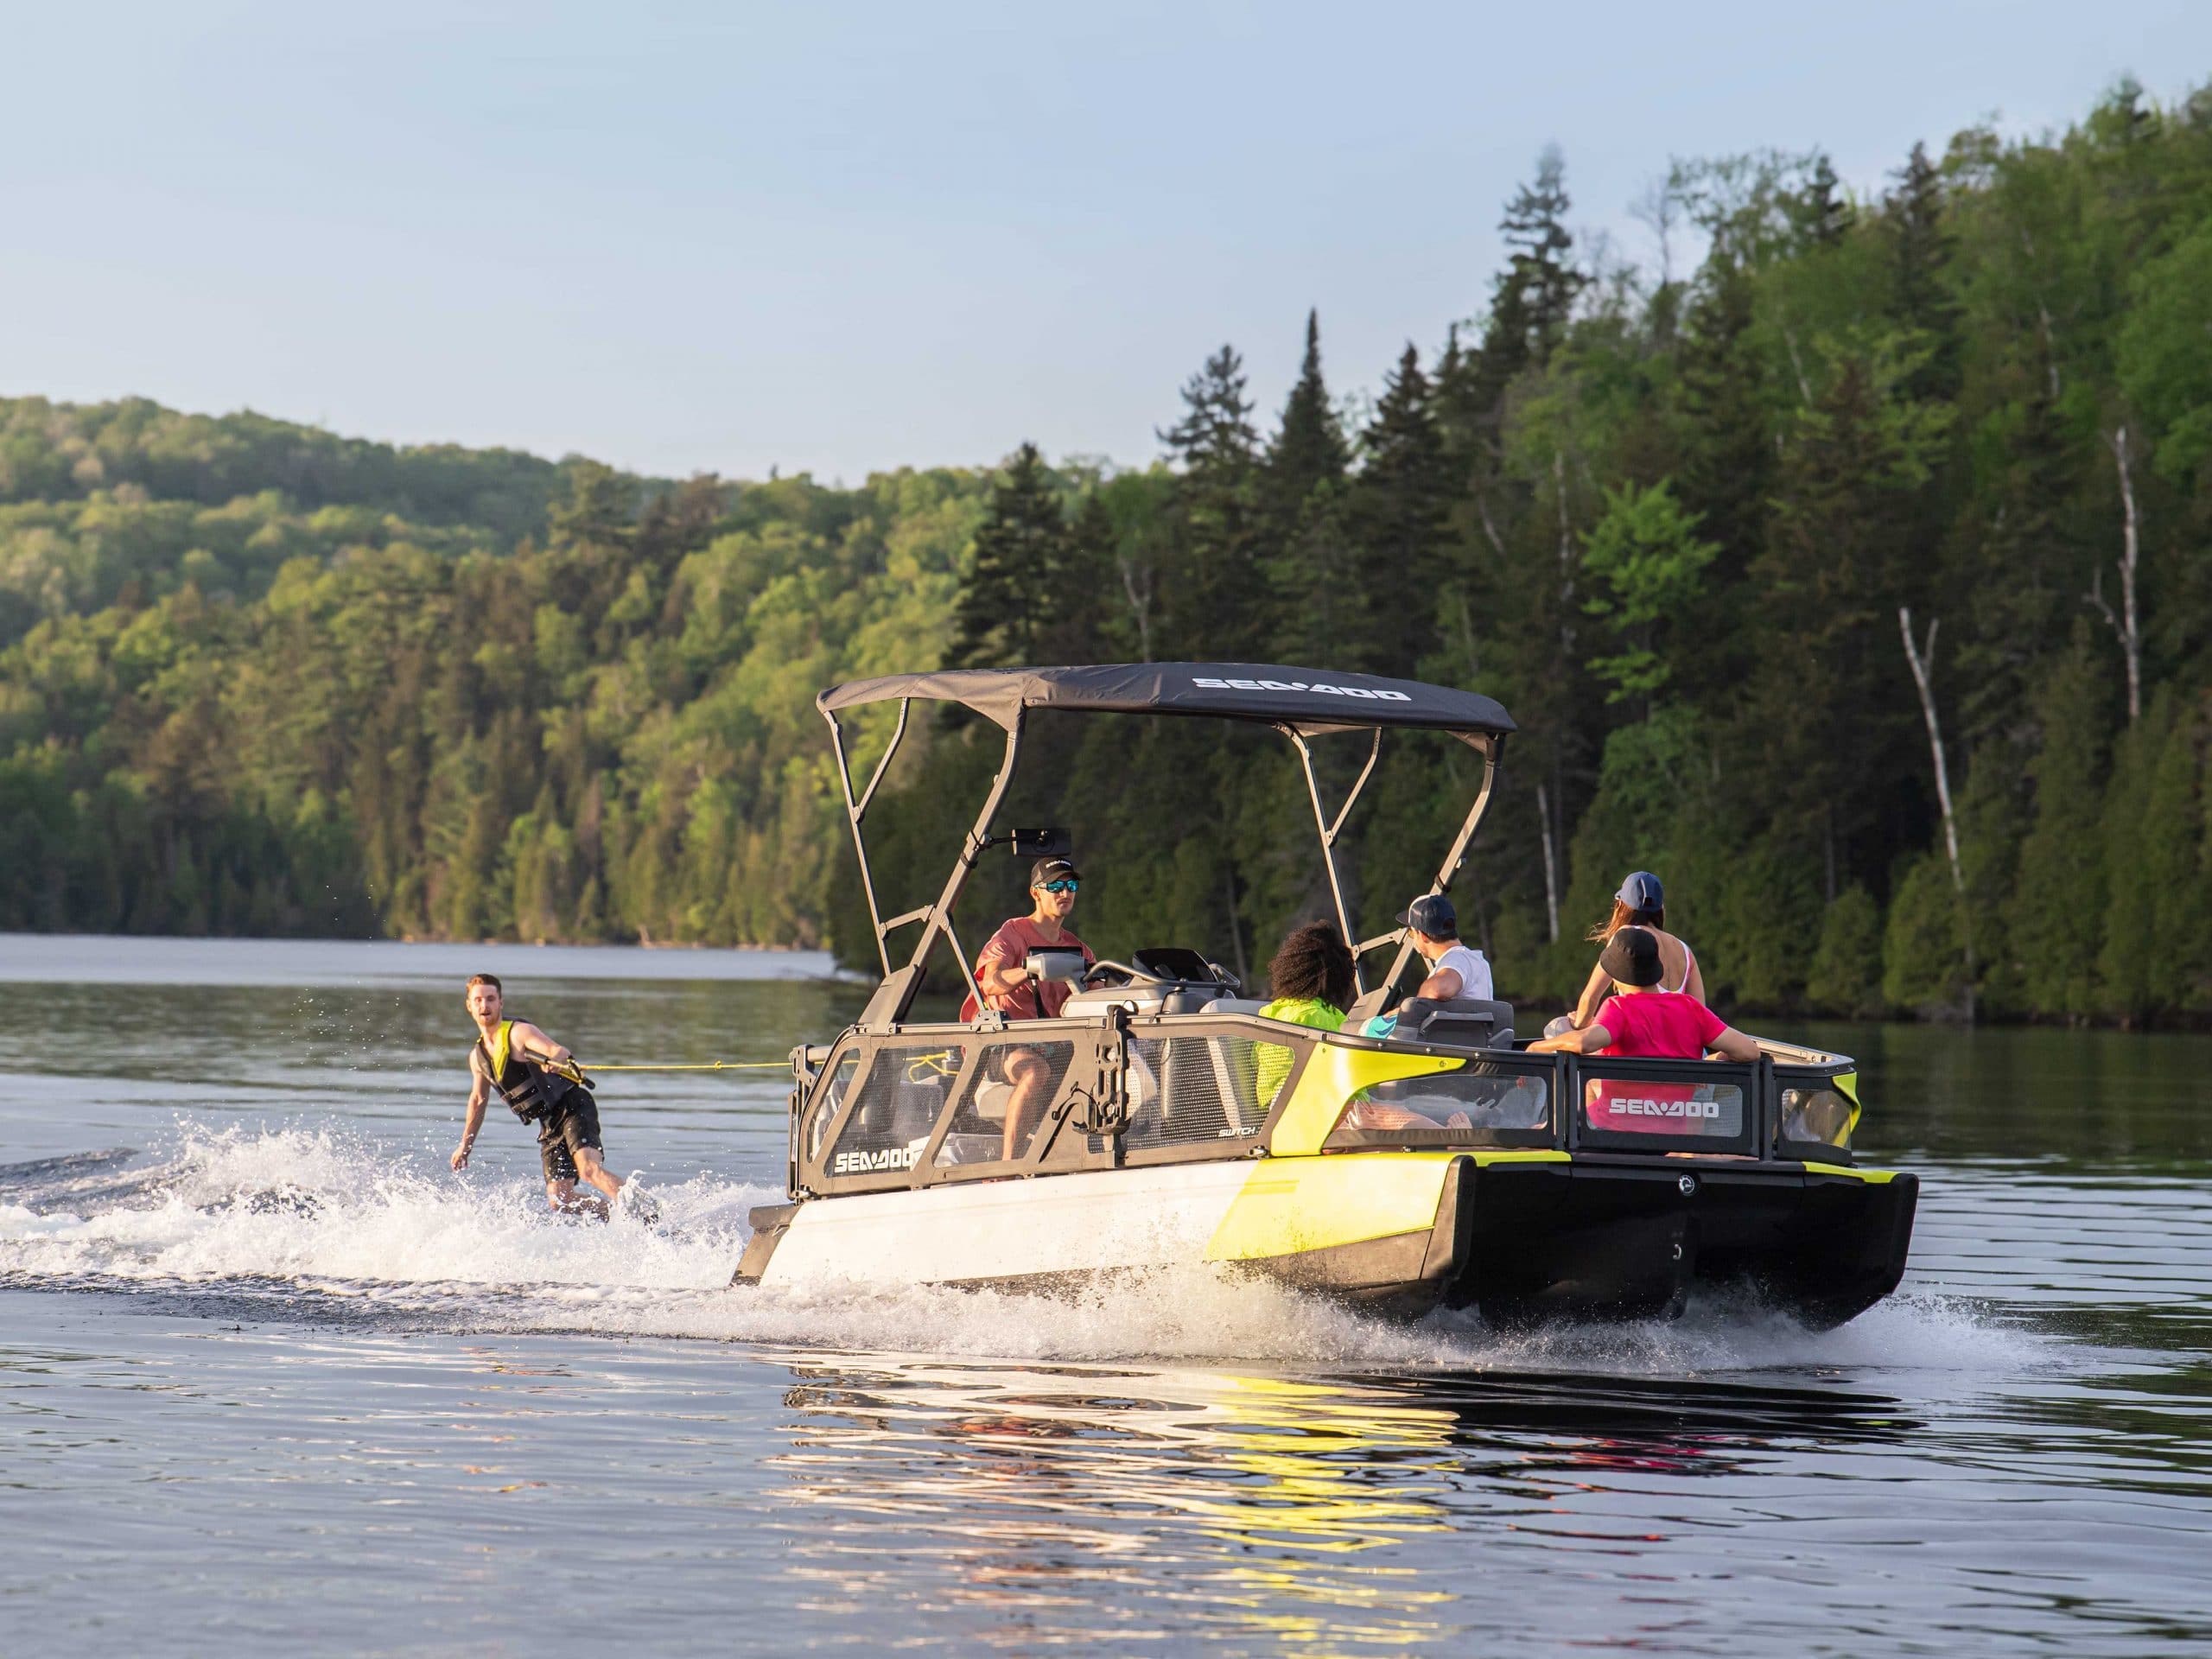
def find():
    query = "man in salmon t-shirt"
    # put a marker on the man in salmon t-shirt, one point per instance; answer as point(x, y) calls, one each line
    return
point(1002, 974)
point(1642, 1020)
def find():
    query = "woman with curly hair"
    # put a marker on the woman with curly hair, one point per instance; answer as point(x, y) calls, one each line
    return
point(1311, 975)
point(1313, 980)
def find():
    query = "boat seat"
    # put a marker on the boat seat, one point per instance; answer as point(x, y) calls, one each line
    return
point(1459, 1022)
point(1234, 1005)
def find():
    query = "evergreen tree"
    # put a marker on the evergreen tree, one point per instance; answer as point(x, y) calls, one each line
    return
point(1074, 629)
point(1827, 215)
point(1301, 488)
point(2056, 918)
point(1308, 451)
point(1395, 517)
point(1213, 570)
point(1530, 307)
point(1831, 701)
point(1846, 971)
point(1011, 597)
point(1920, 272)
point(2155, 909)
point(1542, 271)
point(1923, 947)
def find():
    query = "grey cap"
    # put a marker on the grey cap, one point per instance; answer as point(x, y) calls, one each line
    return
point(1642, 890)
point(1431, 913)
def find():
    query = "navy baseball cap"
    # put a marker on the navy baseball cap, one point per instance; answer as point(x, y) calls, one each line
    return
point(1432, 914)
point(1642, 890)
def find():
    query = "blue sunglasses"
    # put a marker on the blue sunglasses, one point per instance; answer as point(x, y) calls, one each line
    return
point(1065, 884)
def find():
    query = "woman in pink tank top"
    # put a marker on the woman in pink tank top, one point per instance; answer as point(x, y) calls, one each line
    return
point(1641, 902)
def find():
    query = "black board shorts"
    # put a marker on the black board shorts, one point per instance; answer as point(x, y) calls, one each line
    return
point(572, 1124)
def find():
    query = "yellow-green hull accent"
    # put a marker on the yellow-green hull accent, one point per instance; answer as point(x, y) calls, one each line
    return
point(1332, 1076)
point(1293, 1204)
point(1877, 1177)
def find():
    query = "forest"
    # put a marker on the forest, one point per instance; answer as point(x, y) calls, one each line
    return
point(1846, 563)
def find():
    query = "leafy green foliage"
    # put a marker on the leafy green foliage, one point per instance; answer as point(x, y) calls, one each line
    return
point(254, 678)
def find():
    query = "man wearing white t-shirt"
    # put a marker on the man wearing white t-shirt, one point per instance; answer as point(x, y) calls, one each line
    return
point(1454, 969)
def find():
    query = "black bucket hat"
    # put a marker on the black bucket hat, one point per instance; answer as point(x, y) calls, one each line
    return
point(1632, 957)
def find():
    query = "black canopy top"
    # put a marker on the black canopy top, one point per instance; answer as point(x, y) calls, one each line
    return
point(1307, 700)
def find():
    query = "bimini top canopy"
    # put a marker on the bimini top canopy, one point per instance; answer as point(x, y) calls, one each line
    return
point(1304, 700)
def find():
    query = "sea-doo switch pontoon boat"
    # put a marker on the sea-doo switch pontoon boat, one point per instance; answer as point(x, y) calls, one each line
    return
point(1529, 1185)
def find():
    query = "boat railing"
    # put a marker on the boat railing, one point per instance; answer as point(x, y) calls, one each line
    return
point(919, 1104)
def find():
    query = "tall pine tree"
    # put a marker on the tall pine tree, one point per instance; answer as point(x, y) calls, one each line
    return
point(1397, 517)
point(1212, 575)
point(1301, 493)
point(1011, 597)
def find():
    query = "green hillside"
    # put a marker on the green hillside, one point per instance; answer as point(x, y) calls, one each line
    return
point(255, 678)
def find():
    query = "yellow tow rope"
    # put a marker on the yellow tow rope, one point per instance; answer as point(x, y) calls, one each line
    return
point(711, 1065)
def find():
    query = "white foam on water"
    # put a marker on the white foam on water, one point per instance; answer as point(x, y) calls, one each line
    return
point(324, 1208)
point(335, 1214)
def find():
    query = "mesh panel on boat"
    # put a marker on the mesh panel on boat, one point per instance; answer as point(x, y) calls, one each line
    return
point(826, 1105)
point(896, 1104)
point(1183, 1091)
point(978, 1132)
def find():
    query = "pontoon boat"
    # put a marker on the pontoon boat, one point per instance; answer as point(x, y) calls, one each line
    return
point(1529, 1186)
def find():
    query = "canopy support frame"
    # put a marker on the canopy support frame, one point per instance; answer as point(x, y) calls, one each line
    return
point(856, 810)
point(895, 994)
point(1489, 747)
point(1330, 830)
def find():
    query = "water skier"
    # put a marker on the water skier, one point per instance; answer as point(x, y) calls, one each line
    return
point(539, 1081)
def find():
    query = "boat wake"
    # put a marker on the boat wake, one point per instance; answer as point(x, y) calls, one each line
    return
point(321, 1226)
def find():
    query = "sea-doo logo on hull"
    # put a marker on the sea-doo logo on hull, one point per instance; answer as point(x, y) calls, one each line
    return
point(867, 1163)
point(1683, 1109)
point(1373, 694)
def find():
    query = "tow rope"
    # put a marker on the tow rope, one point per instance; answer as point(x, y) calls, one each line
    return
point(711, 1065)
point(574, 1071)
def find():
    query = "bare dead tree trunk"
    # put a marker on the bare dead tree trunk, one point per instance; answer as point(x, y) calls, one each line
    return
point(1551, 863)
point(1490, 529)
point(1140, 596)
point(1922, 658)
point(1797, 365)
point(1236, 922)
point(1565, 552)
point(2125, 627)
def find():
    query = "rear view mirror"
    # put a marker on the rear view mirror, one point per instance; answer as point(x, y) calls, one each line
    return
point(1065, 966)
point(1042, 844)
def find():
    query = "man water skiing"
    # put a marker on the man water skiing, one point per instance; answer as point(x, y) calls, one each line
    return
point(539, 1081)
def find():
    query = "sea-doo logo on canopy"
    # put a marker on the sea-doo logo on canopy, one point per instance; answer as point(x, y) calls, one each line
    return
point(1374, 694)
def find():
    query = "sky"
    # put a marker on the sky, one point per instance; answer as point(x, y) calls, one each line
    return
point(847, 237)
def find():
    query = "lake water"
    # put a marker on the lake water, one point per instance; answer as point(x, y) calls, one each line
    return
point(273, 1380)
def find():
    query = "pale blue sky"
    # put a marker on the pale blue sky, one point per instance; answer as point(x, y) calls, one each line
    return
point(689, 238)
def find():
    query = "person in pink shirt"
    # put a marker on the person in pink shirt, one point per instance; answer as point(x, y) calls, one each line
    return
point(1002, 975)
point(1640, 1020)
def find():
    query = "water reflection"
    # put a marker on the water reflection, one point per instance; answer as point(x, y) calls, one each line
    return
point(1084, 1503)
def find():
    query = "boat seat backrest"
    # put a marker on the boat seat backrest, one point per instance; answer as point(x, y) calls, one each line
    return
point(1234, 1005)
point(1459, 1022)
